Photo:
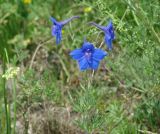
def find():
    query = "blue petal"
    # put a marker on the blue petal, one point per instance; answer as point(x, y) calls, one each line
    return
point(108, 41)
point(83, 64)
point(58, 37)
point(76, 54)
point(99, 54)
point(53, 20)
point(110, 30)
point(57, 32)
point(87, 46)
point(53, 31)
point(110, 25)
point(112, 34)
point(95, 64)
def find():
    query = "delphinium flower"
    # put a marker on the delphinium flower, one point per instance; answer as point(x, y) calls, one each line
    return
point(108, 31)
point(88, 56)
point(57, 27)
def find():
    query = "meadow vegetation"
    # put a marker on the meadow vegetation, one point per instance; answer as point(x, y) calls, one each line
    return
point(42, 90)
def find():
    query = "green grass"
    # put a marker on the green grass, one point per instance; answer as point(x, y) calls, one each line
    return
point(124, 94)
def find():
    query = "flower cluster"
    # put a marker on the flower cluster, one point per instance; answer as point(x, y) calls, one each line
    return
point(88, 57)
point(11, 73)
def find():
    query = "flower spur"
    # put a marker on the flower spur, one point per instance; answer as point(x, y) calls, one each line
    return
point(57, 27)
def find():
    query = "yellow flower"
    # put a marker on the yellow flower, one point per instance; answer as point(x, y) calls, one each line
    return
point(63, 31)
point(27, 1)
point(87, 9)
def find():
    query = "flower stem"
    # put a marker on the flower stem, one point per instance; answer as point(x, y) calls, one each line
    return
point(93, 71)
point(9, 117)
point(7, 107)
point(14, 98)
point(5, 97)
point(15, 110)
point(101, 44)
point(90, 79)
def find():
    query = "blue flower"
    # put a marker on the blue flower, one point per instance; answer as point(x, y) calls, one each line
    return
point(109, 33)
point(57, 27)
point(87, 56)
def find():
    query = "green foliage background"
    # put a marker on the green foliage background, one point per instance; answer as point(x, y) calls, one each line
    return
point(124, 95)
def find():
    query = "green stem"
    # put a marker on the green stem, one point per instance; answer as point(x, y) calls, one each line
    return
point(15, 110)
point(9, 117)
point(5, 97)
